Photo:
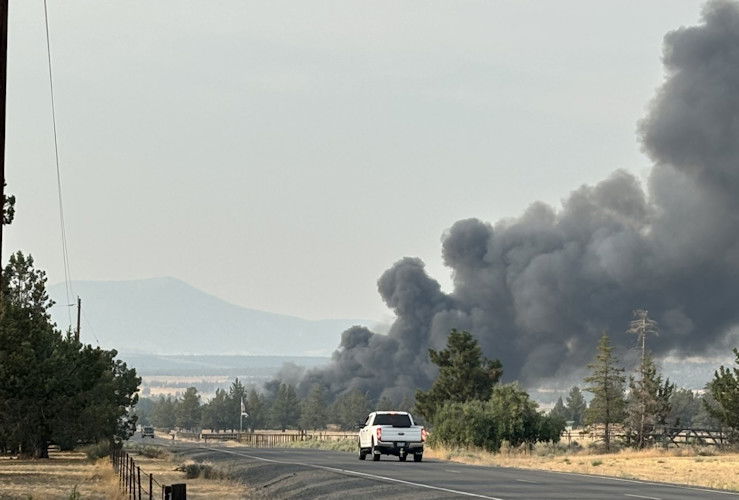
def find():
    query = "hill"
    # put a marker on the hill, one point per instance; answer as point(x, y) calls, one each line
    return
point(168, 316)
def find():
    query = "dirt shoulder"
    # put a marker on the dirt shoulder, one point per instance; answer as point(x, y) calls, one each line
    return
point(677, 466)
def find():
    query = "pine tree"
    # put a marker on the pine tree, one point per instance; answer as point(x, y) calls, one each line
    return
point(236, 394)
point(313, 414)
point(351, 408)
point(606, 383)
point(559, 410)
point(576, 406)
point(189, 411)
point(464, 375)
point(256, 407)
point(285, 408)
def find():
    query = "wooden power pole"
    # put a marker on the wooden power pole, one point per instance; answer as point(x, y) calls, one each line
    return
point(79, 313)
point(3, 94)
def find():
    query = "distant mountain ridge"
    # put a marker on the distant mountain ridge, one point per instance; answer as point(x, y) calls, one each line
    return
point(169, 316)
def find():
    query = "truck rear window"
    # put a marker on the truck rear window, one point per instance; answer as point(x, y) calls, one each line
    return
point(397, 420)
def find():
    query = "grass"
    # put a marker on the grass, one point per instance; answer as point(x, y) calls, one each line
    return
point(696, 467)
point(349, 444)
point(67, 475)
point(71, 475)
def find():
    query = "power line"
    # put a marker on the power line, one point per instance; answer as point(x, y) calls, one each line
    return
point(65, 247)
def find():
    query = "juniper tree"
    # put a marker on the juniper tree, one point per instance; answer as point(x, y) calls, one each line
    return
point(606, 383)
point(724, 388)
point(464, 375)
point(648, 403)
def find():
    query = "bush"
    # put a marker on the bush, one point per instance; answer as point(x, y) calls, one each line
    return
point(148, 451)
point(97, 450)
point(509, 416)
point(205, 470)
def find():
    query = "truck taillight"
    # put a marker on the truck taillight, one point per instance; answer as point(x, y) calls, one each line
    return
point(379, 433)
point(424, 434)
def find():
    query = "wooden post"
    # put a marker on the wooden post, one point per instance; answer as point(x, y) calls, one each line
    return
point(3, 93)
point(79, 312)
point(151, 481)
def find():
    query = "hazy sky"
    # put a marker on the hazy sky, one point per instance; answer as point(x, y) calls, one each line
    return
point(282, 155)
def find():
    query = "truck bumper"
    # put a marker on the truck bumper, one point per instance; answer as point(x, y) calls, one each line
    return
point(388, 448)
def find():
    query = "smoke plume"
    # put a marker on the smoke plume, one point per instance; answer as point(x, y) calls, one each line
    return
point(539, 290)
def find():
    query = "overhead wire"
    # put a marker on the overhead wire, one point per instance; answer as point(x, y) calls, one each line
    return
point(65, 245)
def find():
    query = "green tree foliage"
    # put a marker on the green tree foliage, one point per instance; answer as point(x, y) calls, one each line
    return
point(256, 407)
point(648, 403)
point(143, 411)
point(215, 412)
point(53, 388)
point(606, 383)
point(724, 388)
point(236, 393)
point(559, 410)
point(351, 408)
point(576, 406)
point(464, 375)
point(164, 413)
point(189, 412)
point(510, 415)
point(313, 414)
point(285, 408)
point(8, 209)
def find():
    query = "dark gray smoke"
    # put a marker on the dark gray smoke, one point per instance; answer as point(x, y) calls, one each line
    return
point(539, 290)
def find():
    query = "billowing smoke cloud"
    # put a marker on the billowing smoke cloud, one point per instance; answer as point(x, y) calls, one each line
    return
point(539, 290)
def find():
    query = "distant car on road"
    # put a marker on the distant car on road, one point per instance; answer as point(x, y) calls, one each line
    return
point(147, 431)
point(391, 433)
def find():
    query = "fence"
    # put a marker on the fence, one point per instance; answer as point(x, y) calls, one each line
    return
point(129, 478)
point(268, 440)
point(667, 436)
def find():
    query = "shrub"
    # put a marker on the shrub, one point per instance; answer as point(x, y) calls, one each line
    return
point(148, 451)
point(205, 470)
point(97, 450)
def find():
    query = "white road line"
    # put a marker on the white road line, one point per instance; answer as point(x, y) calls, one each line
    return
point(453, 471)
point(640, 496)
point(356, 473)
point(525, 481)
point(638, 481)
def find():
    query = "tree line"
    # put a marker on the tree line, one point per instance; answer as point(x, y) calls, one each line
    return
point(277, 406)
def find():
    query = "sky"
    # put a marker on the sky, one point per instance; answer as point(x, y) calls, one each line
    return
point(283, 155)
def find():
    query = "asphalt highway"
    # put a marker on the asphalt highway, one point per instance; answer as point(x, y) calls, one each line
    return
point(303, 473)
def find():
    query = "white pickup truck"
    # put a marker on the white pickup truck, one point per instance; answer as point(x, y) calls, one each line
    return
point(391, 433)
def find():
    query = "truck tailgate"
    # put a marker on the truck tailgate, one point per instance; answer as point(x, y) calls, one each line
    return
point(409, 434)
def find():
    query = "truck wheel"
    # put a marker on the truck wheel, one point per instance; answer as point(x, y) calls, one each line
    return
point(418, 457)
point(375, 453)
point(362, 452)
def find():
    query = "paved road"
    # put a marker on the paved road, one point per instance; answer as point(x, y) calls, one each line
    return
point(301, 473)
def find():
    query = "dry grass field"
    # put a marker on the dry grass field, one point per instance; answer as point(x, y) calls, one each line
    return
point(59, 477)
point(72, 476)
point(680, 465)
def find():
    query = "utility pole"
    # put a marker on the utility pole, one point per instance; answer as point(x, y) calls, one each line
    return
point(3, 95)
point(79, 313)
